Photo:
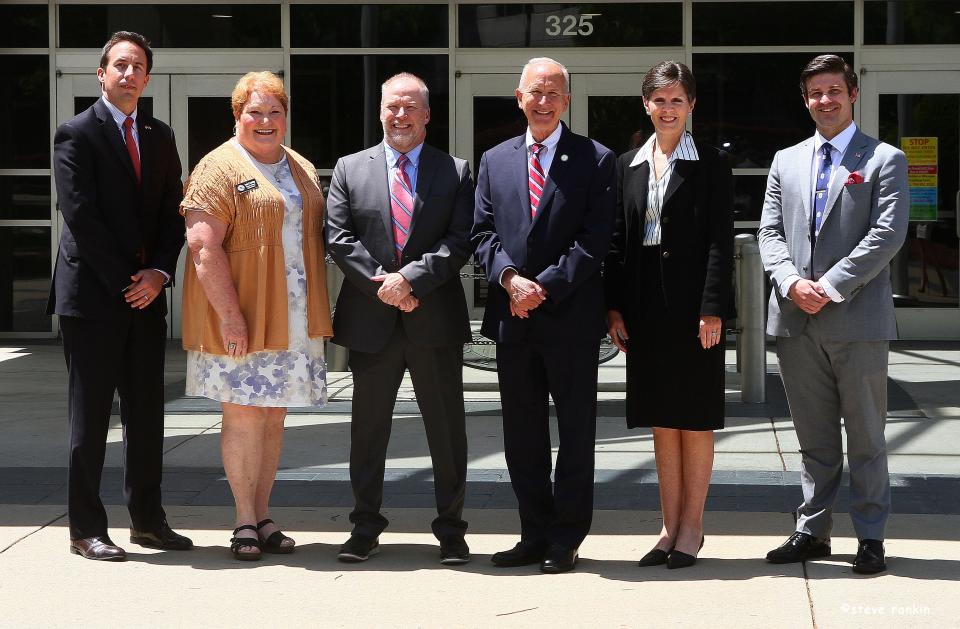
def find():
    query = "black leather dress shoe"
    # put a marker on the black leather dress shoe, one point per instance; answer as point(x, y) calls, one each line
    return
point(163, 538)
point(454, 551)
point(870, 557)
point(558, 559)
point(523, 554)
point(800, 547)
point(99, 547)
point(358, 548)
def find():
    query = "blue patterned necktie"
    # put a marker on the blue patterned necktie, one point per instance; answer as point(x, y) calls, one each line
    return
point(822, 188)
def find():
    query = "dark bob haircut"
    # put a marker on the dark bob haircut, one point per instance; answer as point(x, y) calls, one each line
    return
point(666, 74)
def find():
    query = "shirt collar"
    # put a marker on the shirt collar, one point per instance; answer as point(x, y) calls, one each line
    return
point(685, 149)
point(118, 116)
point(393, 155)
point(840, 142)
point(551, 140)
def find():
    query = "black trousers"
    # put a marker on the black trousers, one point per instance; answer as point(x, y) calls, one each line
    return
point(566, 370)
point(124, 355)
point(437, 374)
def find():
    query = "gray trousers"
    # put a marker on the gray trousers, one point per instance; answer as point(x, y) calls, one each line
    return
point(824, 381)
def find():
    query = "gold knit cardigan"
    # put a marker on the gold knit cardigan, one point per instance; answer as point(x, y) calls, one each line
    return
point(254, 247)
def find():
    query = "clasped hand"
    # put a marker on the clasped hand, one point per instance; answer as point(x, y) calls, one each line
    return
point(396, 291)
point(809, 296)
point(525, 295)
point(147, 284)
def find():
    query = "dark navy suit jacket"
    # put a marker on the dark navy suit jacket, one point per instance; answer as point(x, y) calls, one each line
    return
point(113, 227)
point(562, 248)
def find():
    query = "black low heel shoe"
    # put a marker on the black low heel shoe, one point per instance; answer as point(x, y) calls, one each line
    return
point(655, 557)
point(678, 559)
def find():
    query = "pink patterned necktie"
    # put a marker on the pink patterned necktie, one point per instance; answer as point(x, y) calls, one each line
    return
point(401, 205)
point(536, 178)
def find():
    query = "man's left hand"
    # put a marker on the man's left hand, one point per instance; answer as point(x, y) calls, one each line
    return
point(147, 284)
point(394, 288)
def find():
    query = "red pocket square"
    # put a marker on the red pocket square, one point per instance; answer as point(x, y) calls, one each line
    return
point(853, 178)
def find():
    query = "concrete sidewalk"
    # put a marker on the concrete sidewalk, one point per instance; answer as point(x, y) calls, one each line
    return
point(753, 492)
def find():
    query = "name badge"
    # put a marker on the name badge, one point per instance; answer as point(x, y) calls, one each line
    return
point(247, 186)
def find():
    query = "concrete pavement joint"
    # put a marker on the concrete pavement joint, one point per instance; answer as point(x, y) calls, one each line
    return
point(42, 526)
point(192, 437)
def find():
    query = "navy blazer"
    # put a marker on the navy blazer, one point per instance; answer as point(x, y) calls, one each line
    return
point(113, 227)
point(696, 238)
point(562, 248)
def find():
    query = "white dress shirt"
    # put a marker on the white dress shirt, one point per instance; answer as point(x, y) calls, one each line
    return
point(838, 148)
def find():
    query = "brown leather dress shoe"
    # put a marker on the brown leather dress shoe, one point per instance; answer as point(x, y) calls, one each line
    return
point(99, 548)
point(163, 538)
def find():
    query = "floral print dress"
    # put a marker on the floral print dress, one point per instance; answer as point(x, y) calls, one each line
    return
point(293, 377)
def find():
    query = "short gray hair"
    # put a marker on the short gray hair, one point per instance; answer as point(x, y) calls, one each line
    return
point(424, 92)
point(539, 60)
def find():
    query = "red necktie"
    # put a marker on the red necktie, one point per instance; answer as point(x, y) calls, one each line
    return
point(401, 205)
point(131, 146)
point(536, 178)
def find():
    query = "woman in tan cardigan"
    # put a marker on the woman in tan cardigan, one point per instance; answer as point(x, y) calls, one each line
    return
point(255, 309)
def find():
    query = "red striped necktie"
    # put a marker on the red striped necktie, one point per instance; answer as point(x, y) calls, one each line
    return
point(401, 205)
point(536, 178)
point(131, 146)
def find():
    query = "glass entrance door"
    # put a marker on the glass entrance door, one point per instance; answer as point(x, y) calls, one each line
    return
point(920, 113)
point(201, 116)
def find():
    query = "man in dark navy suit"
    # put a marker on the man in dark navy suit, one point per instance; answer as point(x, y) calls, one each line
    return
point(545, 205)
point(118, 190)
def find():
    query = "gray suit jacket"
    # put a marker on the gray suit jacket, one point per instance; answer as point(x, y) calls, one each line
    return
point(359, 235)
point(864, 226)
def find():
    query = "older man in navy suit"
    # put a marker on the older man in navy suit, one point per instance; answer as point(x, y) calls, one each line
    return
point(545, 204)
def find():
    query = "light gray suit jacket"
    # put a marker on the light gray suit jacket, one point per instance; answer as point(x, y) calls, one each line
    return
point(864, 226)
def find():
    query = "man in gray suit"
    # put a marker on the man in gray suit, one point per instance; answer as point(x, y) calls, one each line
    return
point(398, 224)
point(834, 215)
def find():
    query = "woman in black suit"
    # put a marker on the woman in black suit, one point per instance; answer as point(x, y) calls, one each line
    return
point(668, 288)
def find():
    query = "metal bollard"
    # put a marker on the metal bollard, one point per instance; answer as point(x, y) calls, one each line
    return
point(751, 344)
point(336, 355)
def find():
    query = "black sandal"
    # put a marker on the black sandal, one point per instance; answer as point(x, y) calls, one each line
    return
point(236, 543)
point(274, 543)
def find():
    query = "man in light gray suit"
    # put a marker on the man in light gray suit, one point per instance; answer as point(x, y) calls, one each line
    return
point(834, 215)
point(398, 226)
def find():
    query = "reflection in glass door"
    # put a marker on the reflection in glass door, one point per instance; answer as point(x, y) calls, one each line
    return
point(916, 113)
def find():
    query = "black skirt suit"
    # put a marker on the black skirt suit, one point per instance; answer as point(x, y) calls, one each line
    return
point(661, 291)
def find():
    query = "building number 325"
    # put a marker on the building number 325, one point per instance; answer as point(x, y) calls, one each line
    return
point(565, 25)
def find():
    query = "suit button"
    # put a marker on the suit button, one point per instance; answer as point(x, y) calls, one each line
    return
point(666, 254)
point(665, 220)
point(804, 268)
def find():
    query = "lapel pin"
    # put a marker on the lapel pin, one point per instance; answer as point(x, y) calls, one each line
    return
point(858, 155)
point(564, 157)
point(147, 127)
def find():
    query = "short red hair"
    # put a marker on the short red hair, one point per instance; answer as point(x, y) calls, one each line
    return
point(265, 82)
